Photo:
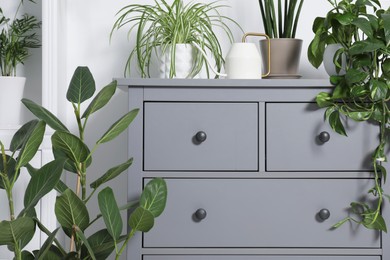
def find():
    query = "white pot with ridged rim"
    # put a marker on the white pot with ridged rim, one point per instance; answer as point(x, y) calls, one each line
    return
point(11, 93)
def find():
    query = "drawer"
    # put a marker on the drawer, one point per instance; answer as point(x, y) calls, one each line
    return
point(173, 136)
point(260, 213)
point(293, 144)
point(252, 257)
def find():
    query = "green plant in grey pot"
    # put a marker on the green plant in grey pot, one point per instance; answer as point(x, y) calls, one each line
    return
point(72, 154)
point(280, 21)
point(362, 93)
point(169, 27)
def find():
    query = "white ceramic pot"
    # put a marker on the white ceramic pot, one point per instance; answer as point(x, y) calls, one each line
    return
point(11, 107)
point(329, 65)
point(184, 61)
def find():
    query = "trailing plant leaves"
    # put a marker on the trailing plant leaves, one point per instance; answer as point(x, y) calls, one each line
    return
point(382, 172)
point(360, 47)
point(31, 145)
point(22, 134)
point(46, 246)
point(110, 212)
point(11, 164)
point(70, 145)
point(101, 99)
point(333, 117)
point(345, 19)
point(364, 25)
point(42, 182)
point(359, 115)
point(70, 211)
point(118, 127)
point(378, 224)
point(20, 230)
point(154, 196)
point(81, 235)
point(386, 27)
point(82, 86)
point(355, 76)
point(111, 174)
point(45, 115)
point(386, 68)
point(141, 220)
point(378, 89)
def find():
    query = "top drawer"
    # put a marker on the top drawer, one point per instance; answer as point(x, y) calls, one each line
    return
point(230, 131)
point(293, 143)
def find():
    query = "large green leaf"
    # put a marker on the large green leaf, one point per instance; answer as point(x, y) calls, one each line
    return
point(333, 117)
point(118, 127)
point(83, 238)
point(22, 134)
point(102, 245)
point(20, 230)
point(360, 47)
point(70, 210)
point(378, 224)
point(70, 166)
point(27, 255)
point(31, 145)
point(110, 212)
point(354, 76)
point(386, 27)
point(154, 196)
point(43, 182)
point(101, 99)
point(141, 220)
point(70, 145)
point(45, 115)
point(364, 25)
point(111, 174)
point(378, 89)
point(82, 86)
point(45, 248)
point(60, 187)
point(11, 164)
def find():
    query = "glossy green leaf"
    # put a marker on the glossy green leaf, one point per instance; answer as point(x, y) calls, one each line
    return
point(70, 210)
point(378, 224)
point(154, 196)
point(20, 230)
point(22, 135)
point(101, 243)
point(110, 212)
point(316, 50)
point(345, 19)
point(118, 127)
point(101, 99)
point(386, 68)
point(83, 238)
point(31, 145)
point(42, 183)
point(45, 115)
point(360, 47)
point(336, 124)
point(46, 245)
point(60, 187)
point(82, 86)
point(111, 174)
point(355, 76)
point(70, 166)
point(386, 27)
point(11, 164)
point(359, 115)
point(378, 90)
point(141, 220)
point(364, 25)
point(70, 145)
point(27, 255)
point(53, 254)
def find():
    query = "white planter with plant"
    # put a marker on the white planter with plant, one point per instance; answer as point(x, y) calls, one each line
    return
point(281, 27)
point(164, 26)
point(17, 36)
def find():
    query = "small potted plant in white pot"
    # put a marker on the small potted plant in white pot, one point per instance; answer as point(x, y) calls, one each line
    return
point(281, 26)
point(17, 37)
point(172, 31)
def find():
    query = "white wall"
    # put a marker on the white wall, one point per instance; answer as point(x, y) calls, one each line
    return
point(85, 39)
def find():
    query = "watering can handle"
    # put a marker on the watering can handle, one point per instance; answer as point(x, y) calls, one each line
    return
point(269, 48)
point(207, 60)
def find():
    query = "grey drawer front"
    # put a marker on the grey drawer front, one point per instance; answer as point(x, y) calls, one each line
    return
point(231, 143)
point(252, 257)
point(292, 131)
point(260, 213)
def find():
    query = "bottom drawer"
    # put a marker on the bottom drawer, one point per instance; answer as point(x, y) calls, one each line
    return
point(252, 257)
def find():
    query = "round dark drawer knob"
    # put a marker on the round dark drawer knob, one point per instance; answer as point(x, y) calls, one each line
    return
point(324, 214)
point(200, 214)
point(324, 137)
point(200, 136)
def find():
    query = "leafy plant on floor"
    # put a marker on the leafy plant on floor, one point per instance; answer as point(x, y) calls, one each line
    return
point(17, 36)
point(363, 93)
point(72, 154)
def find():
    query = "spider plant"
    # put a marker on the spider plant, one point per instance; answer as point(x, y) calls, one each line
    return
point(17, 36)
point(163, 26)
point(284, 22)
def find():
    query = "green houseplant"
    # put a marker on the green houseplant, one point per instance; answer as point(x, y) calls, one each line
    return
point(165, 26)
point(72, 154)
point(280, 21)
point(362, 93)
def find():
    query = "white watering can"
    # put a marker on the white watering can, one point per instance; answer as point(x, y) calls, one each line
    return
point(243, 60)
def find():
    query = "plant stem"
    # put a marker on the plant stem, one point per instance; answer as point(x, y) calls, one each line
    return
point(131, 234)
point(10, 201)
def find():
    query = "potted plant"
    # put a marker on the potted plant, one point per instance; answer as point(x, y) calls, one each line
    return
point(17, 36)
point(362, 93)
point(170, 31)
point(281, 27)
point(72, 154)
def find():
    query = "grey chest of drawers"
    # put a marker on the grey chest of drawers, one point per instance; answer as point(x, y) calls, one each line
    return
point(253, 172)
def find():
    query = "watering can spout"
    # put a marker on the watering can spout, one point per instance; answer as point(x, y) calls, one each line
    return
point(243, 60)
